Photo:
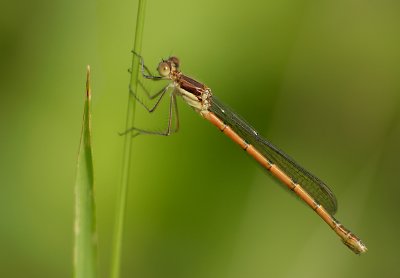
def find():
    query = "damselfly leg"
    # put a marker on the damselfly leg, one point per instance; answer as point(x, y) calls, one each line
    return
point(146, 73)
point(173, 107)
point(160, 95)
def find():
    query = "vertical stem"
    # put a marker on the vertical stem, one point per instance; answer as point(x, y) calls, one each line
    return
point(127, 154)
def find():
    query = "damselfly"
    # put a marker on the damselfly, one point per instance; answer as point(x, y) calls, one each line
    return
point(305, 185)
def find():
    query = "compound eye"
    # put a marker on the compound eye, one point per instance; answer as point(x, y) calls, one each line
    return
point(164, 69)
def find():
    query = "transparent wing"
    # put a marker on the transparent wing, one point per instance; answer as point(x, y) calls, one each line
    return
point(314, 186)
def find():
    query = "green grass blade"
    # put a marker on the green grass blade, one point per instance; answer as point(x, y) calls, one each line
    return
point(85, 248)
point(127, 154)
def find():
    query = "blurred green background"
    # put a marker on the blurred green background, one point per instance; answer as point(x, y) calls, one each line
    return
point(320, 79)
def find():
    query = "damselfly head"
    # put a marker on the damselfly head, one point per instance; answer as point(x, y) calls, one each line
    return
point(166, 66)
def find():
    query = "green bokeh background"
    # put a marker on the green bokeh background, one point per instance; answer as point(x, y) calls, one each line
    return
point(320, 79)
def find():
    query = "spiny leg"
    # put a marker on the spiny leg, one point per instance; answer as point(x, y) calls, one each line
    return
point(144, 69)
point(149, 95)
point(173, 108)
point(159, 94)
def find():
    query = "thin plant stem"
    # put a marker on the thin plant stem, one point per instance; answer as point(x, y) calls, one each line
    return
point(127, 153)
